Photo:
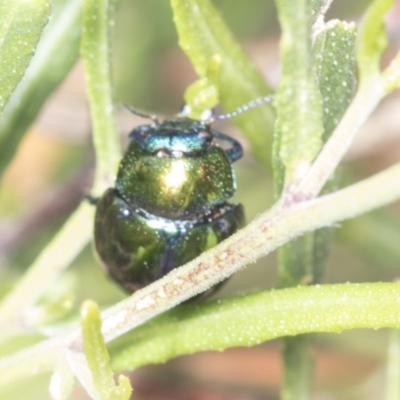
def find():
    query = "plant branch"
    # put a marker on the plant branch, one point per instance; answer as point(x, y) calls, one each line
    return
point(373, 86)
point(262, 236)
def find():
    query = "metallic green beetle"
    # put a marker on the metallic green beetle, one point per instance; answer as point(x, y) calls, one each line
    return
point(169, 203)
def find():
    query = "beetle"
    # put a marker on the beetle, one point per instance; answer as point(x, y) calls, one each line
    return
point(169, 203)
point(170, 199)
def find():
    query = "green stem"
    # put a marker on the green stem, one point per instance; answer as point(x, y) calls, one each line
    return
point(58, 254)
point(392, 391)
point(298, 368)
point(95, 51)
point(337, 145)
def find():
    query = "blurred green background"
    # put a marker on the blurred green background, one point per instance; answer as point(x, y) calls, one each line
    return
point(53, 170)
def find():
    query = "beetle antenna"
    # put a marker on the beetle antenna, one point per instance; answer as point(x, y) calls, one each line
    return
point(141, 114)
point(248, 106)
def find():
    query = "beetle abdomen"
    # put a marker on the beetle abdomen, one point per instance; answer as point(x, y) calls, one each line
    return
point(138, 248)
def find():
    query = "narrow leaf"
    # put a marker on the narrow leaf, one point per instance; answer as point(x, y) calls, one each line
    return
point(97, 356)
point(298, 101)
point(320, 7)
point(258, 317)
point(203, 35)
point(334, 55)
point(21, 23)
point(55, 55)
point(372, 40)
point(95, 51)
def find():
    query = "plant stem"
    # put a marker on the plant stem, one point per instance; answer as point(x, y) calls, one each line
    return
point(337, 145)
point(59, 253)
point(392, 391)
point(263, 235)
point(298, 368)
point(95, 51)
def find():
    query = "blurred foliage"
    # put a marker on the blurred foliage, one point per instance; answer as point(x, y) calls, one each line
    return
point(151, 73)
point(148, 25)
point(147, 65)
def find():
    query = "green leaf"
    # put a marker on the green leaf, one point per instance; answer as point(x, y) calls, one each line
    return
point(298, 100)
point(21, 23)
point(319, 8)
point(98, 358)
point(256, 318)
point(95, 50)
point(303, 260)
point(334, 55)
point(55, 55)
point(203, 35)
point(372, 40)
point(300, 127)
